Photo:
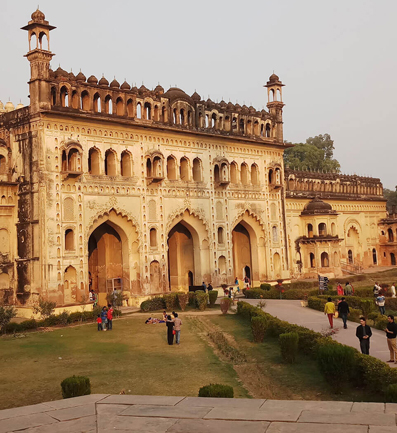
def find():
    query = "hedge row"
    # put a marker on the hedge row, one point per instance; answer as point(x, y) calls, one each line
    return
point(175, 301)
point(359, 370)
point(273, 293)
point(62, 319)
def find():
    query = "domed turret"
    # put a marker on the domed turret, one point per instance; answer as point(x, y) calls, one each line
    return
point(196, 97)
point(143, 89)
point(9, 106)
point(115, 84)
point(103, 81)
point(38, 16)
point(159, 89)
point(174, 93)
point(274, 78)
point(20, 105)
point(317, 207)
point(80, 77)
point(92, 79)
point(125, 86)
point(1, 107)
point(61, 73)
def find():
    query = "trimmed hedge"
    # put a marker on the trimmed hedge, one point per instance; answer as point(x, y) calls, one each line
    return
point(258, 327)
point(289, 346)
point(202, 300)
point(216, 390)
point(213, 296)
point(265, 286)
point(156, 303)
point(75, 386)
point(171, 301)
point(183, 299)
point(391, 393)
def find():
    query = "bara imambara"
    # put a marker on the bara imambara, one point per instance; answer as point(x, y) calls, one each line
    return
point(108, 186)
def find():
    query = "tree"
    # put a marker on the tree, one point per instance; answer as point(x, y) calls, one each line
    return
point(391, 199)
point(314, 155)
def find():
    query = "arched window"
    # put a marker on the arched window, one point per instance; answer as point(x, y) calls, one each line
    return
point(69, 240)
point(309, 230)
point(97, 103)
point(108, 105)
point(207, 121)
point(138, 110)
point(110, 163)
point(350, 256)
point(322, 229)
point(130, 108)
point(75, 100)
point(148, 111)
point(312, 260)
point(221, 239)
point(182, 116)
point(336, 259)
point(64, 97)
point(324, 260)
point(390, 235)
point(3, 164)
point(268, 130)
point(392, 259)
point(256, 127)
point(271, 177)
point(53, 96)
point(222, 265)
point(216, 173)
point(174, 117)
point(275, 234)
point(148, 167)
point(374, 257)
point(153, 237)
point(262, 130)
point(278, 176)
point(242, 129)
point(156, 113)
point(85, 101)
point(171, 168)
point(233, 173)
point(213, 120)
point(164, 116)
point(93, 162)
point(157, 167)
point(74, 161)
point(184, 169)
point(254, 174)
point(244, 174)
point(197, 170)
point(120, 107)
point(126, 164)
point(234, 124)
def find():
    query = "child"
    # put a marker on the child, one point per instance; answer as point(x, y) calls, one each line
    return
point(110, 317)
point(104, 318)
point(99, 322)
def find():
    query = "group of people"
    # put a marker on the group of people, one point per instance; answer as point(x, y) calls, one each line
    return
point(348, 290)
point(207, 288)
point(363, 331)
point(105, 319)
point(173, 324)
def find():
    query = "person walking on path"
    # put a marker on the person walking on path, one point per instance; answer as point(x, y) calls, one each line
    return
point(364, 333)
point(391, 334)
point(104, 318)
point(380, 302)
point(170, 330)
point(343, 310)
point(329, 310)
point(110, 317)
point(393, 290)
point(348, 289)
point(177, 328)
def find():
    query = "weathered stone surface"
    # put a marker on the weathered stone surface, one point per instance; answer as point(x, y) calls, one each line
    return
point(359, 418)
point(82, 425)
point(166, 411)
point(73, 412)
point(222, 402)
point(282, 427)
point(142, 400)
point(217, 426)
point(391, 408)
point(383, 429)
point(322, 406)
point(76, 401)
point(138, 425)
point(25, 422)
point(24, 410)
point(368, 407)
point(254, 414)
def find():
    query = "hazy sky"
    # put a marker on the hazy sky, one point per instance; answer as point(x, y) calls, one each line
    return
point(337, 59)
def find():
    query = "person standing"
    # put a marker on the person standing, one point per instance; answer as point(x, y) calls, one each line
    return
point(99, 322)
point(376, 290)
point(329, 310)
point(380, 302)
point(391, 334)
point(177, 328)
point(364, 333)
point(348, 289)
point(104, 318)
point(170, 330)
point(340, 289)
point(343, 310)
point(110, 317)
point(393, 290)
point(210, 287)
point(204, 286)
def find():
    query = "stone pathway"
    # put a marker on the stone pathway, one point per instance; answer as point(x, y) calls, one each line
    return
point(293, 312)
point(103, 413)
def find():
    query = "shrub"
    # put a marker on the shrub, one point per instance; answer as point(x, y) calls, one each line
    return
point(45, 308)
point(364, 292)
point(261, 294)
point(183, 299)
point(265, 286)
point(366, 306)
point(381, 322)
point(373, 373)
point(316, 303)
point(156, 303)
point(258, 327)
point(192, 299)
point(289, 346)
point(64, 318)
point(225, 305)
point(6, 314)
point(391, 393)
point(75, 386)
point(216, 390)
point(243, 309)
point(213, 296)
point(391, 304)
point(202, 300)
point(337, 362)
point(355, 315)
point(171, 301)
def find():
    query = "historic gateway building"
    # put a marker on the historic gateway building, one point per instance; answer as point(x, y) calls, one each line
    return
point(107, 186)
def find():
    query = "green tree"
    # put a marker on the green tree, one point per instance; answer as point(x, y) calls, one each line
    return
point(314, 155)
point(391, 198)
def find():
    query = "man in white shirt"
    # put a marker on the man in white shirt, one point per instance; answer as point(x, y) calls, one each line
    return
point(393, 290)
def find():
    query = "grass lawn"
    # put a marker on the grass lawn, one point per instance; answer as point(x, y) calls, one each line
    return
point(133, 357)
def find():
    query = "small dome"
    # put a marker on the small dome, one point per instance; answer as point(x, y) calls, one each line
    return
point(103, 82)
point(1, 106)
point(20, 105)
point(274, 78)
point(159, 89)
point(222, 104)
point(143, 89)
point(174, 93)
point(244, 109)
point(134, 89)
point(237, 107)
point(125, 86)
point(61, 73)
point(115, 84)
point(71, 76)
point(80, 77)
point(196, 97)
point(38, 16)
point(92, 79)
point(230, 106)
point(252, 110)
point(317, 206)
point(9, 106)
point(209, 103)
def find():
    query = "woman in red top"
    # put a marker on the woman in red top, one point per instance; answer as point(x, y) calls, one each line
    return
point(110, 317)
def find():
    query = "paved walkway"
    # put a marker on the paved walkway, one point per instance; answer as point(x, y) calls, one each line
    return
point(155, 414)
point(293, 312)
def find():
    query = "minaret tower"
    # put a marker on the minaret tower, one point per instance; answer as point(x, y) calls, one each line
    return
point(275, 103)
point(39, 57)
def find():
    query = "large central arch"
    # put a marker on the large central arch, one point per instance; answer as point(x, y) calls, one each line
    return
point(188, 255)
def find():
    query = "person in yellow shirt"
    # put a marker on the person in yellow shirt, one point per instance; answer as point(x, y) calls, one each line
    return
point(329, 310)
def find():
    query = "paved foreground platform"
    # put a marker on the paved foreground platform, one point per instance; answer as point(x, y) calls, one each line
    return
point(102, 413)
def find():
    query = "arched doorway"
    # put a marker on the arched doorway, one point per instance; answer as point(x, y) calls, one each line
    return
point(70, 286)
point(155, 277)
point(180, 257)
point(374, 257)
point(105, 260)
point(242, 252)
